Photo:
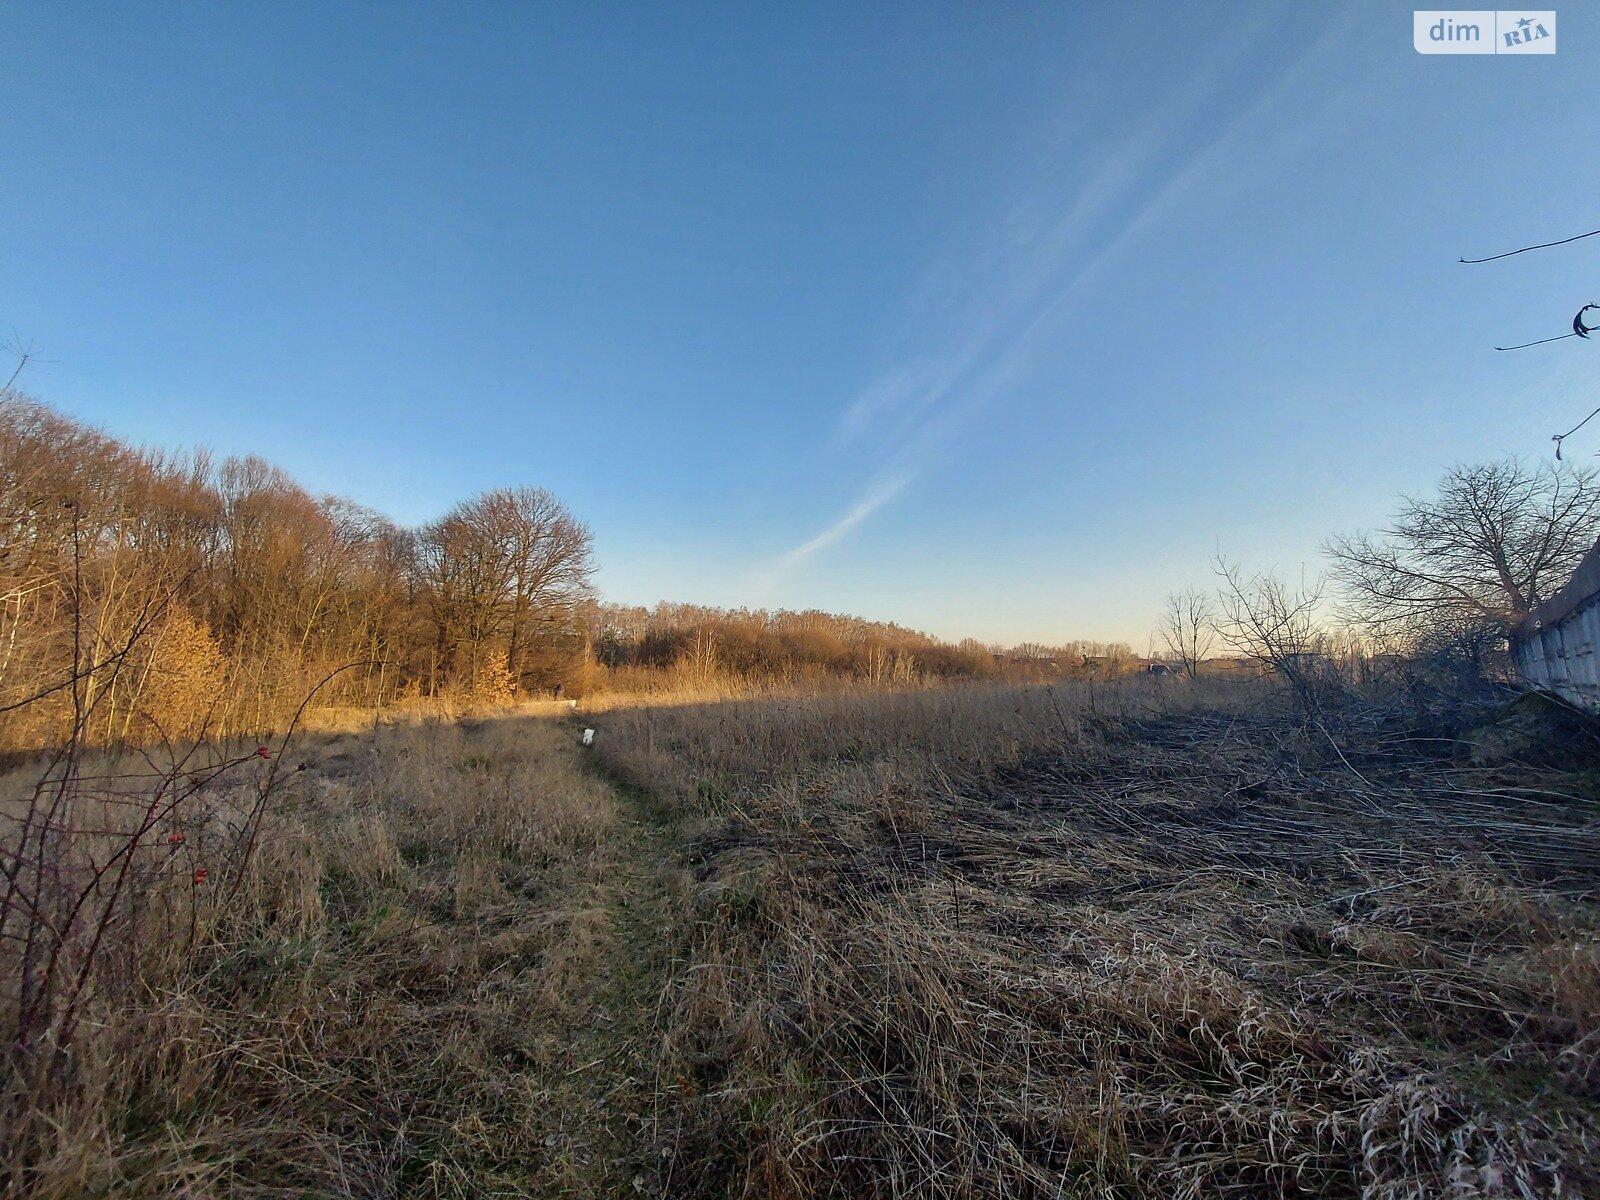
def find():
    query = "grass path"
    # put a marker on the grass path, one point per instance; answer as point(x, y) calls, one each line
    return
point(600, 1074)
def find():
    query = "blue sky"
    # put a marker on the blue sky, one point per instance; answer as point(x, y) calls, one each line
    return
point(992, 319)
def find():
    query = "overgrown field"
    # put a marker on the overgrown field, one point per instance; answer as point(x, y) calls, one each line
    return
point(1152, 939)
point(1016, 944)
point(399, 992)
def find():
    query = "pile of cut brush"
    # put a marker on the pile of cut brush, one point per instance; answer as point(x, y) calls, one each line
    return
point(1219, 954)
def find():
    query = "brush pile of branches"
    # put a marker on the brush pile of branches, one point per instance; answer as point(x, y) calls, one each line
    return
point(1218, 954)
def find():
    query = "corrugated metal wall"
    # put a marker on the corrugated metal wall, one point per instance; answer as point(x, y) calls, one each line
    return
point(1561, 658)
point(1555, 649)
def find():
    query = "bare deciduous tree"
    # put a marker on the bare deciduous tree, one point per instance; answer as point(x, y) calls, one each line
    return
point(506, 570)
point(1496, 541)
point(1188, 628)
point(1277, 624)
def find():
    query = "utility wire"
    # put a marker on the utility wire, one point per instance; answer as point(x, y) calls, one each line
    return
point(1540, 342)
point(1540, 246)
point(1557, 438)
point(1579, 329)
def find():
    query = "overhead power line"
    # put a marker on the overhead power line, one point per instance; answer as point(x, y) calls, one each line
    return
point(1580, 328)
point(1557, 438)
point(1541, 246)
point(1541, 341)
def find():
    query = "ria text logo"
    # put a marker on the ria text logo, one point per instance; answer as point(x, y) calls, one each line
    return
point(1484, 31)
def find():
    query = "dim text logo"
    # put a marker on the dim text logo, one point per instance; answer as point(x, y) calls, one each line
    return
point(1484, 31)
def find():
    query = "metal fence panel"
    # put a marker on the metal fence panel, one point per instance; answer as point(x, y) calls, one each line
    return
point(1560, 656)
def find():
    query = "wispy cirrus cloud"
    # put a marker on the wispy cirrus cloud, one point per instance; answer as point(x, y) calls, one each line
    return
point(875, 497)
point(999, 301)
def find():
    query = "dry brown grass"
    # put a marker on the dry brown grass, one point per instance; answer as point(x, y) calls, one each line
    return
point(999, 943)
point(379, 1003)
point(1154, 939)
point(786, 741)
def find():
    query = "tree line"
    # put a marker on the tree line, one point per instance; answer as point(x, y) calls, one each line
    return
point(147, 594)
point(757, 645)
